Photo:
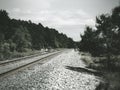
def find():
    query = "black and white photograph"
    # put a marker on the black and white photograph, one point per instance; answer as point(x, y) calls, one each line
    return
point(59, 44)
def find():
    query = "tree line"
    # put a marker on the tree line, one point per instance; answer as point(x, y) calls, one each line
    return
point(20, 35)
point(104, 40)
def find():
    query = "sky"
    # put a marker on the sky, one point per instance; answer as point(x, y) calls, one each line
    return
point(67, 16)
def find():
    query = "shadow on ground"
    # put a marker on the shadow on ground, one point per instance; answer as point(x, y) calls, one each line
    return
point(102, 86)
point(84, 70)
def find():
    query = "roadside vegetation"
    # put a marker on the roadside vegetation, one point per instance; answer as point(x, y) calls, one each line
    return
point(101, 47)
point(19, 36)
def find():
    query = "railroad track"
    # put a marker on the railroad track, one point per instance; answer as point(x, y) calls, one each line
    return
point(13, 66)
point(21, 58)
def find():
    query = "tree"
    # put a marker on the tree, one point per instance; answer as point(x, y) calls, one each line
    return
point(90, 42)
point(4, 18)
point(106, 38)
point(116, 22)
point(19, 35)
point(116, 16)
point(22, 39)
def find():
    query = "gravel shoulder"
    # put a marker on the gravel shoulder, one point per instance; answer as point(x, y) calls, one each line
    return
point(53, 75)
point(13, 65)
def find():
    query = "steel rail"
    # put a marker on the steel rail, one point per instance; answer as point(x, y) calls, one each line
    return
point(29, 64)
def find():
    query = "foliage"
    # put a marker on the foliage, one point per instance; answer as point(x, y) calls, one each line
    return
point(104, 43)
point(105, 38)
point(19, 35)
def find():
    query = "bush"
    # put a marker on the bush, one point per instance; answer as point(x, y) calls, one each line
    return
point(5, 51)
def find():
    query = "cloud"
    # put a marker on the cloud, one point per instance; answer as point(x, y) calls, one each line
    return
point(70, 22)
point(90, 22)
point(16, 10)
point(59, 14)
point(64, 17)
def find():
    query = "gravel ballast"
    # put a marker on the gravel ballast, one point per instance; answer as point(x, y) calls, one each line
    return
point(53, 75)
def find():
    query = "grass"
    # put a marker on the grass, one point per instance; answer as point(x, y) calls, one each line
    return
point(16, 54)
point(111, 74)
point(22, 54)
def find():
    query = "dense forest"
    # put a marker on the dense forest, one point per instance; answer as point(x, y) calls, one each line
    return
point(20, 35)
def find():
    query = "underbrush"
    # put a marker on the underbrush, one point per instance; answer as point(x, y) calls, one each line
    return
point(111, 73)
point(16, 54)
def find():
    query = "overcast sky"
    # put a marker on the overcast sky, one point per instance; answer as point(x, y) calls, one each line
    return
point(67, 16)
